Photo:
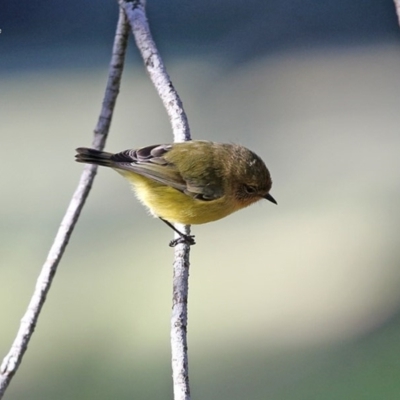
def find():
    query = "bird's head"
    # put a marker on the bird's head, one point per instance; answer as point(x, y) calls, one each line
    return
point(252, 180)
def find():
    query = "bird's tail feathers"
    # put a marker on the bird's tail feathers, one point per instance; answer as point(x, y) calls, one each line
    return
point(92, 156)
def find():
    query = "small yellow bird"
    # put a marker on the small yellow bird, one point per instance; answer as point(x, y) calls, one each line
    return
point(193, 182)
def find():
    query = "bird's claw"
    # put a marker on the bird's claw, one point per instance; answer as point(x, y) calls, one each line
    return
point(186, 239)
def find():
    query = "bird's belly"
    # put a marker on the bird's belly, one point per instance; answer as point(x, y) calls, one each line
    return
point(175, 206)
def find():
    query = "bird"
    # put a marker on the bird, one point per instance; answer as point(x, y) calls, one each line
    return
point(193, 182)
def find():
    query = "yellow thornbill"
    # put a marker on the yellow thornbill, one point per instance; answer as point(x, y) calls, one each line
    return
point(192, 182)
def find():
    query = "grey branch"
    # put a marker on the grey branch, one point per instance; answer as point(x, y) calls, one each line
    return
point(397, 5)
point(135, 12)
point(13, 359)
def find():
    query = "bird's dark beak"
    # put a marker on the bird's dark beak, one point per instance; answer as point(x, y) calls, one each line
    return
point(270, 198)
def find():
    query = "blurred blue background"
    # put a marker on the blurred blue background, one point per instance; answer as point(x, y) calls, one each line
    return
point(298, 301)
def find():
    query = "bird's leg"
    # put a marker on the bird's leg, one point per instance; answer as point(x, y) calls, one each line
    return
point(188, 239)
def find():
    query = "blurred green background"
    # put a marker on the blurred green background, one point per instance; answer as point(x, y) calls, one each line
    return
point(298, 301)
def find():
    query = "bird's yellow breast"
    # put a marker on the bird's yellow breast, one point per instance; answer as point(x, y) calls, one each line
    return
point(174, 206)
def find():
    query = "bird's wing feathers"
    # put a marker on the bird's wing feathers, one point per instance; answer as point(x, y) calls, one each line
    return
point(203, 192)
point(151, 163)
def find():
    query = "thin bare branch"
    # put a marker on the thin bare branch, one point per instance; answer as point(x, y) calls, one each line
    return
point(135, 12)
point(13, 359)
point(397, 5)
point(179, 346)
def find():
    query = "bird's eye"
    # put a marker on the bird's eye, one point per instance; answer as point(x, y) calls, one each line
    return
point(250, 189)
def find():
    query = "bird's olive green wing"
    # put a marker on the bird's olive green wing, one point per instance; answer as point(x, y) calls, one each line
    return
point(155, 162)
point(150, 163)
point(203, 189)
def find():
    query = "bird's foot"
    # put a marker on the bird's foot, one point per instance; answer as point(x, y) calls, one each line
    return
point(186, 239)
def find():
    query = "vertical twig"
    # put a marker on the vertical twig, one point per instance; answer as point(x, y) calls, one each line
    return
point(13, 359)
point(136, 15)
point(397, 5)
point(135, 12)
